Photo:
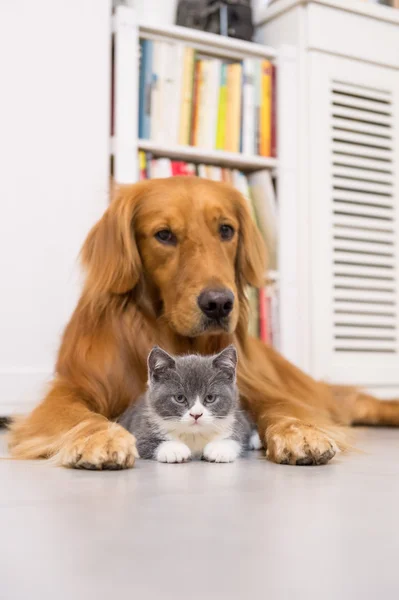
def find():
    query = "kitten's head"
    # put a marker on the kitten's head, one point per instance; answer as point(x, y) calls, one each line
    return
point(194, 391)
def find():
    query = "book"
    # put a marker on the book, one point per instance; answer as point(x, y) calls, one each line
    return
point(265, 207)
point(273, 116)
point(265, 109)
point(197, 100)
point(248, 110)
point(253, 307)
point(233, 111)
point(145, 89)
point(186, 96)
point(212, 104)
point(142, 165)
point(222, 109)
point(161, 167)
point(179, 168)
point(172, 91)
point(160, 95)
point(257, 103)
point(215, 173)
point(208, 96)
point(202, 171)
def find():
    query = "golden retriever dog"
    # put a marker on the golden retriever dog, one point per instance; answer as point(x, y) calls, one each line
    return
point(168, 264)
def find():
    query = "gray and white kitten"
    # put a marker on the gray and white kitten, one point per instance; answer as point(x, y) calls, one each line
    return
point(191, 408)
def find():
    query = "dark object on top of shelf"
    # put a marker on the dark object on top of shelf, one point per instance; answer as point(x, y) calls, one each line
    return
point(232, 18)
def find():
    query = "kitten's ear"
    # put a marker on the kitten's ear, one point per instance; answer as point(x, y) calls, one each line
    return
point(226, 361)
point(159, 363)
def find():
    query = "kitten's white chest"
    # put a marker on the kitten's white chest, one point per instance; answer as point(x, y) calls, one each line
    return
point(196, 441)
point(197, 437)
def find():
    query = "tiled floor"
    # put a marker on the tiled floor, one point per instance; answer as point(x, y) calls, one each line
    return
point(204, 531)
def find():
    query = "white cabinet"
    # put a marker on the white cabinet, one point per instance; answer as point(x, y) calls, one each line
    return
point(54, 123)
point(347, 112)
point(354, 228)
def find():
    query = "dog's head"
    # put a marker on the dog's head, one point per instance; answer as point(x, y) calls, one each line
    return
point(186, 246)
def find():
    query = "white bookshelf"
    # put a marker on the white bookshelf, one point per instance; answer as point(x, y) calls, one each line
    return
point(125, 144)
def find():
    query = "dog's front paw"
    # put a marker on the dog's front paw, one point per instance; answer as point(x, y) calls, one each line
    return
point(292, 442)
point(222, 451)
point(173, 452)
point(112, 448)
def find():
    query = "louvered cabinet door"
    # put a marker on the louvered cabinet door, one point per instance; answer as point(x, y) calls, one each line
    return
point(353, 116)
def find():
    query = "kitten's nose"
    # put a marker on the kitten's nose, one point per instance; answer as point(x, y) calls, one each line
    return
point(196, 416)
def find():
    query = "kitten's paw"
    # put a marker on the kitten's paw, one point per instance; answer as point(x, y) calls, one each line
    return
point(222, 451)
point(255, 441)
point(173, 452)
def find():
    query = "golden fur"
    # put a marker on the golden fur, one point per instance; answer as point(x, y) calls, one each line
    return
point(140, 292)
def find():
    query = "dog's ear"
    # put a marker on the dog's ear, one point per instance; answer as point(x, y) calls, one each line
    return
point(110, 253)
point(251, 255)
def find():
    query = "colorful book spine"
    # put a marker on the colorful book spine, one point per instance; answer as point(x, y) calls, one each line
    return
point(211, 104)
point(171, 91)
point(186, 96)
point(207, 104)
point(274, 112)
point(248, 135)
point(253, 305)
point(233, 112)
point(266, 109)
point(222, 109)
point(180, 168)
point(257, 104)
point(142, 165)
point(146, 67)
point(197, 100)
point(173, 108)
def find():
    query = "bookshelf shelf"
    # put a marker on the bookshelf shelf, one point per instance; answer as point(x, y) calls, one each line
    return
point(208, 42)
point(202, 155)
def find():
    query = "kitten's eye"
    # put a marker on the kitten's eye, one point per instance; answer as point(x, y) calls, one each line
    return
point(180, 398)
point(226, 232)
point(166, 236)
point(210, 398)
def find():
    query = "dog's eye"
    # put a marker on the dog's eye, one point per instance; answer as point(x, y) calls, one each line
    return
point(210, 398)
point(226, 232)
point(165, 236)
point(180, 398)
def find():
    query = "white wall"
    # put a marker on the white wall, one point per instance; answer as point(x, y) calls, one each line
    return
point(54, 124)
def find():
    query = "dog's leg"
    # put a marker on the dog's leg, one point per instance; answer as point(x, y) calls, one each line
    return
point(367, 410)
point(64, 428)
point(296, 436)
point(293, 412)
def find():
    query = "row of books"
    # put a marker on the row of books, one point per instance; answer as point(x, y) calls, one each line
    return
point(259, 191)
point(189, 98)
point(264, 316)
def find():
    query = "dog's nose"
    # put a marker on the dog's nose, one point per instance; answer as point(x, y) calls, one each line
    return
point(196, 416)
point(216, 304)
